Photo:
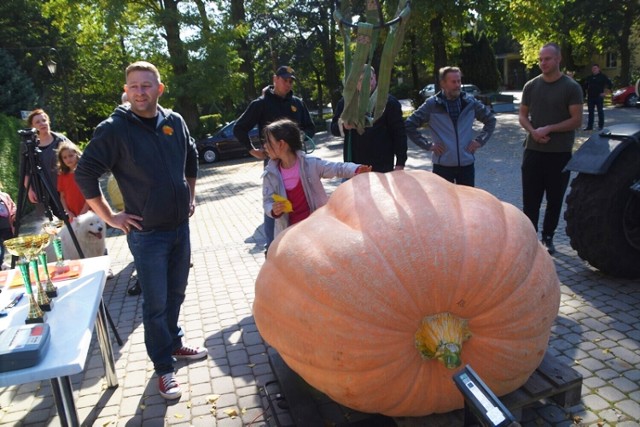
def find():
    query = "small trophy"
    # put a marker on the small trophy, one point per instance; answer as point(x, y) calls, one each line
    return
point(53, 228)
point(50, 288)
point(23, 247)
point(38, 243)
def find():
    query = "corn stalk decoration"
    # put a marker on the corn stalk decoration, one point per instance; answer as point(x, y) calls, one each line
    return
point(361, 108)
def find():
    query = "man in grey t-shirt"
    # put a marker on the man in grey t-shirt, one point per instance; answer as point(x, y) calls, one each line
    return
point(550, 111)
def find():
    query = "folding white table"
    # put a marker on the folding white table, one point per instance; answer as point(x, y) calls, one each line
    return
point(76, 309)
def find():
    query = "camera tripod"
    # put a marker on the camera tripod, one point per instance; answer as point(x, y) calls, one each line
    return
point(40, 181)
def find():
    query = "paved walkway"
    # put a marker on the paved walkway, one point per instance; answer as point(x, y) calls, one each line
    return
point(596, 331)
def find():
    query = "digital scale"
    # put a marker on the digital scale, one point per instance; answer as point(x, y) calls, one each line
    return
point(481, 406)
point(23, 346)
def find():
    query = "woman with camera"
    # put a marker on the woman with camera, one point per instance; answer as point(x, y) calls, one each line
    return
point(48, 142)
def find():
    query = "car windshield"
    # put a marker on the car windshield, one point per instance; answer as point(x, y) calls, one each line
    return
point(227, 130)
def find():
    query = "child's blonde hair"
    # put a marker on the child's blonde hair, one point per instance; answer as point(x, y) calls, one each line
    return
point(66, 145)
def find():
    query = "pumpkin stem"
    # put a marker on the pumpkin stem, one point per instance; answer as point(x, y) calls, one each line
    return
point(440, 337)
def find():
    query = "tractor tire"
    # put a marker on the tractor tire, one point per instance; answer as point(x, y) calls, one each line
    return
point(603, 217)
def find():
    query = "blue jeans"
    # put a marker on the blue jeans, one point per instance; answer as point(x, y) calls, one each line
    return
point(269, 229)
point(162, 261)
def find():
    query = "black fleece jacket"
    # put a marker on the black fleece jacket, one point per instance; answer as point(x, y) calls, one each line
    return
point(150, 165)
point(269, 108)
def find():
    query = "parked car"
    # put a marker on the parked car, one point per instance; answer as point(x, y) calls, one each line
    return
point(625, 96)
point(430, 90)
point(224, 145)
point(471, 89)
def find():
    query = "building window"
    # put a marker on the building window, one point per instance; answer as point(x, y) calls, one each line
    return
point(612, 60)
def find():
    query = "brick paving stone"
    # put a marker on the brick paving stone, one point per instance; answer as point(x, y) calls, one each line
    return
point(623, 384)
point(611, 393)
point(591, 364)
point(596, 402)
point(614, 335)
point(594, 324)
point(629, 356)
point(612, 415)
point(633, 375)
point(630, 408)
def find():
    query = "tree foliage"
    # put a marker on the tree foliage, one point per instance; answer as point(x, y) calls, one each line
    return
point(17, 92)
point(215, 56)
point(477, 62)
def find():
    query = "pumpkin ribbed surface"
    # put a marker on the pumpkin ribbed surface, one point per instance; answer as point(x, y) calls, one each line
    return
point(343, 295)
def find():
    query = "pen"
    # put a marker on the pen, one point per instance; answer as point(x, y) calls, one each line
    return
point(15, 301)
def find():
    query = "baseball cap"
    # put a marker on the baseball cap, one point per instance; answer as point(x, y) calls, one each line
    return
point(285, 72)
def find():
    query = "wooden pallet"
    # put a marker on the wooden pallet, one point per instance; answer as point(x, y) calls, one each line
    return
point(307, 407)
point(552, 380)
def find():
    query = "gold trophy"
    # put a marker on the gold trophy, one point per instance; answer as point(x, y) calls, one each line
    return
point(53, 228)
point(26, 247)
point(39, 242)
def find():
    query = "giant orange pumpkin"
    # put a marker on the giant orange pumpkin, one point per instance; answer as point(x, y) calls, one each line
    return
point(377, 297)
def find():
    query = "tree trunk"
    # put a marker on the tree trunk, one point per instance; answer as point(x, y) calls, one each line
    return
point(413, 64)
point(170, 20)
point(328, 40)
point(439, 46)
point(244, 50)
point(623, 45)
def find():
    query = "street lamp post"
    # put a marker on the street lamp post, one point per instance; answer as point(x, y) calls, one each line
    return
point(52, 66)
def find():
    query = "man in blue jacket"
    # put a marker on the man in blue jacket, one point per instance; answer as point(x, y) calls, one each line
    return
point(155, 162)
point(277, 102)
point(449, 115)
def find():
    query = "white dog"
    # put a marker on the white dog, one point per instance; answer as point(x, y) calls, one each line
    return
point(90, 232)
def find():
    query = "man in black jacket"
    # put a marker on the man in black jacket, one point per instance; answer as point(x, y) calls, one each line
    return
point(596, 85)
point(277, 102)
point(155, 162)
point(380, 144)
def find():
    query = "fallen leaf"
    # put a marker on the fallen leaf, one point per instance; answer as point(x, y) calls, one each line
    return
point(231, 412)
point(212, 398)
point(178, 416)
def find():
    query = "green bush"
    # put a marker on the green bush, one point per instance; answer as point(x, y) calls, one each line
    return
point(208, 125)
point(10, 155)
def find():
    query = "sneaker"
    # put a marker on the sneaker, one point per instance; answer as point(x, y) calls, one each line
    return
point(135, 289)
point(168, 386)
point(587, 128)
point(190, 353)
point(547, 242)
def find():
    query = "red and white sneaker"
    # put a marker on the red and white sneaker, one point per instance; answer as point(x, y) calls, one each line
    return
point(168, 386)
point(190, 353)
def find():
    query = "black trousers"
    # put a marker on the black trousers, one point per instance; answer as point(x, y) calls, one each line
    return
point(542, 174)
point(461, 175)
point(592, 103)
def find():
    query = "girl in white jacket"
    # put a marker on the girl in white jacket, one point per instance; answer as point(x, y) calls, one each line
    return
point(291, 185)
